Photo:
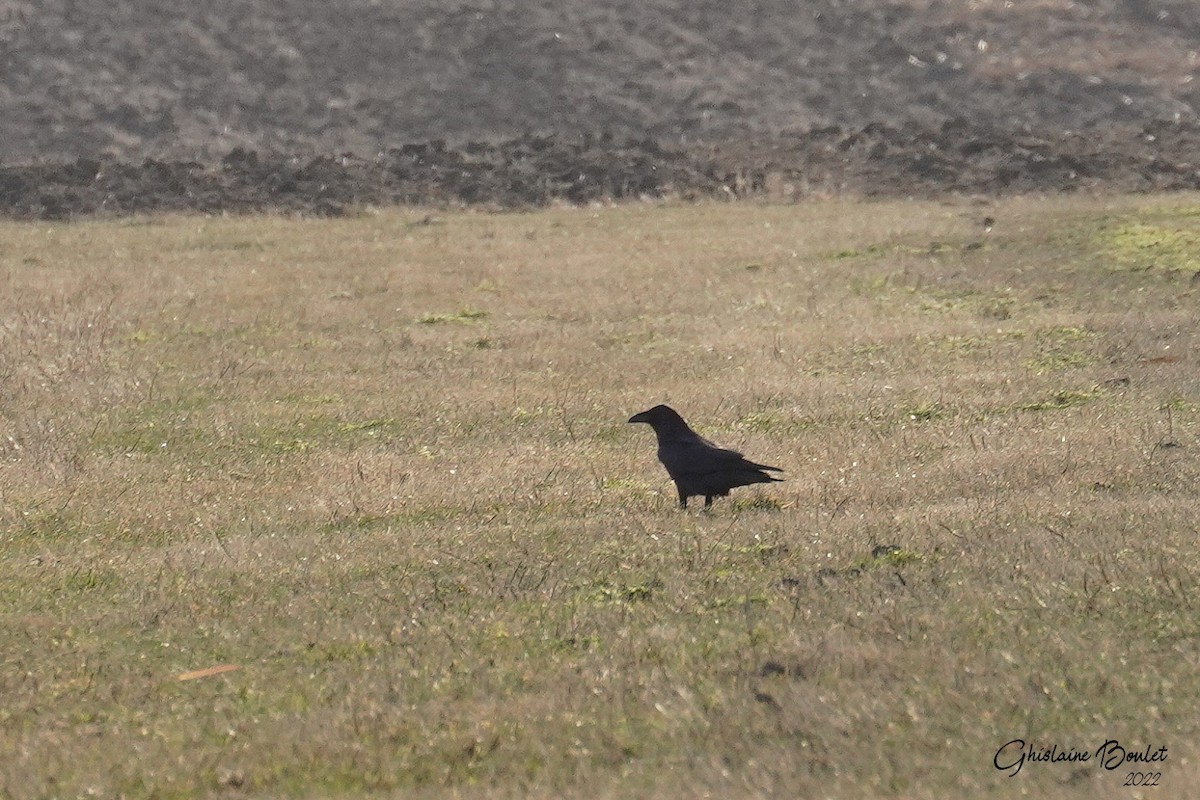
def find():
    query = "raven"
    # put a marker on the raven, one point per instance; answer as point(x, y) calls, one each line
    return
point(698, 466)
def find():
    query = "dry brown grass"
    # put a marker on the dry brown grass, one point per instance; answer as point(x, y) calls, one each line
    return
point(381, 464)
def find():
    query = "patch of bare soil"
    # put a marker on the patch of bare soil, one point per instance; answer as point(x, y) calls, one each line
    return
point(111, 108)
point(875, 160)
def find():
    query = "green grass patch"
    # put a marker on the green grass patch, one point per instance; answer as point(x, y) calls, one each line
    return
point(1144, 246)
point(870, 251)
point(757, 421)
point(315, 430)
point(925, 411)
point(463, 315)
point(1057, 360)
point(151, 428)
point(1061, 400)
point(757, 502)
point(624, 592)
point(885, 556)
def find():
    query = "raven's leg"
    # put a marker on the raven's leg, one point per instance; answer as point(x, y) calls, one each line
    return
point(708, 500)
point(682, 497)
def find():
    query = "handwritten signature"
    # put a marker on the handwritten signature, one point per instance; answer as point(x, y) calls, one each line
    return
point(1013, 755)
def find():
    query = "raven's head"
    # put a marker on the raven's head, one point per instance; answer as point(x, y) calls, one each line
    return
point(660, 418)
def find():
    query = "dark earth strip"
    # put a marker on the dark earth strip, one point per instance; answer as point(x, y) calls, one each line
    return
point(875, 160)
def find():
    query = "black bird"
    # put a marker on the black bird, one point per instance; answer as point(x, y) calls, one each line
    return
point(698, 466)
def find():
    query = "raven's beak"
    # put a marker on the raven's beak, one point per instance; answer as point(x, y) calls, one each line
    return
point(640, 418)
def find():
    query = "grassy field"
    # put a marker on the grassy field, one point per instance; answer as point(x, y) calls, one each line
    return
point(381, 466)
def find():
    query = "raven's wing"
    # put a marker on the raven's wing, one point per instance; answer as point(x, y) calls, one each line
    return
point(715, 446)
point(702, 457)
point(729, 454)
